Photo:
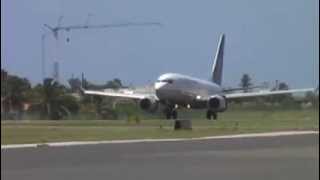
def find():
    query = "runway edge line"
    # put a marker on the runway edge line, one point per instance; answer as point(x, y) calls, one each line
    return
point(78, 143)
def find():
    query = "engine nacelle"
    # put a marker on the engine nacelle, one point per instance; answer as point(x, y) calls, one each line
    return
point(217, 103)
point(149, 105)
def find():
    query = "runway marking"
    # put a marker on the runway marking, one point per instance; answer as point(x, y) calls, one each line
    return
point(78, 143)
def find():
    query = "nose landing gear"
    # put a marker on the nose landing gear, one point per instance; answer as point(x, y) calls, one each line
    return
point(171, 113)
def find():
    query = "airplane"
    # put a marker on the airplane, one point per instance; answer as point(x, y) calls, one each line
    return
point(174, 91)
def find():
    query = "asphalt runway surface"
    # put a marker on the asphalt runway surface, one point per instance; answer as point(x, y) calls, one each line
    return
point(284, 157)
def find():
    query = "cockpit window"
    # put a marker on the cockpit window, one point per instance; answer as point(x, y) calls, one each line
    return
point(170, 81)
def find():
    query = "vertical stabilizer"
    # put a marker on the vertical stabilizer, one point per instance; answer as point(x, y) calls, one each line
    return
point(217, 67)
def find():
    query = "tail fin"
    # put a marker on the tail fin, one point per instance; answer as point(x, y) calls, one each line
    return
point(217, 67)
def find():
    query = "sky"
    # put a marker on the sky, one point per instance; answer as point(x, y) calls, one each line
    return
point(270, 40)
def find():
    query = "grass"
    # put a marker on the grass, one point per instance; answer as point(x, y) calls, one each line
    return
point(231, 122)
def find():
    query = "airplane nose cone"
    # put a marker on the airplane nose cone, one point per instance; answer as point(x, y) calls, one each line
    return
point(160, 89)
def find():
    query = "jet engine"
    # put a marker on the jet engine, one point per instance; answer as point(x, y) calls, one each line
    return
point(217, 103)
point(149, 104)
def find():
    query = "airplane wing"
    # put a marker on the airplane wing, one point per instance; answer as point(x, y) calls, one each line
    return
point(127, 95)
point(227, 90)
point(266, 93)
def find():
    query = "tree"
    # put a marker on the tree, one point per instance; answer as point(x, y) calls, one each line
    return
point(245, 82)
point(114, 84)
point(14, 86)
point(283, 86)
point(14, 90)
point(53, 101)
point(286, 99)
point(310, 97)
point(4, 78)
point(103, 105)
point(75, 84)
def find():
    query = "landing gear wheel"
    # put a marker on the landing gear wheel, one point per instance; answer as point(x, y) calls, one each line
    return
point(174, 114)
point(168, 112)
point(171, 113)
point(215, 116)
point(168, 115)
point(211, 114)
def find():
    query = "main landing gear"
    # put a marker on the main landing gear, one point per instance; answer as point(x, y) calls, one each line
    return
point(171, 113)
point(211, 114)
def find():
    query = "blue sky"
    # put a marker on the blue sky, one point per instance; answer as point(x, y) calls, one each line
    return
point(268, 39)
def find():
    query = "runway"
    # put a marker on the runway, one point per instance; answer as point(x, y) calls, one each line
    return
point(284, 157)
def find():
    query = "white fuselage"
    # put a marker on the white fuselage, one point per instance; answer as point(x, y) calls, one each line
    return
point(184, 90)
